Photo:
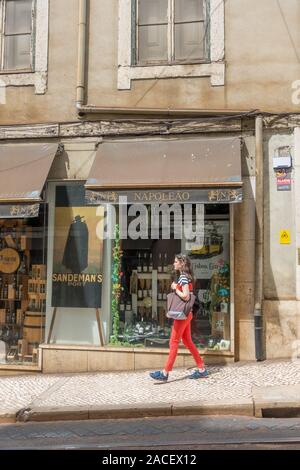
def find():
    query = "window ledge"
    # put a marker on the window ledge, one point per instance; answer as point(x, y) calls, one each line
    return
point(216, 72)
point(36, 79)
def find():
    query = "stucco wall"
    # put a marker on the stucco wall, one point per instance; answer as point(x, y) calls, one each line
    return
point(58, 103)
point(262, 40)
point(279, 259)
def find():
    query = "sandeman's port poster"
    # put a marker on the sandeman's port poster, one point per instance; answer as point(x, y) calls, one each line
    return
point(77, 256)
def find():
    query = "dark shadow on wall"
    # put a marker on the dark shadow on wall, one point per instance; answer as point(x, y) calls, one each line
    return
point(60, 166)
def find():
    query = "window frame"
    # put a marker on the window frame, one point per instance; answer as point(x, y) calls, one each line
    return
point(3, 36)
point(36, 75)
point(171, 37)
point(213, 67)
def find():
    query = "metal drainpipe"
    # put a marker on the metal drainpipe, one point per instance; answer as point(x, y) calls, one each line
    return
point(82, 37)
point(259, 237)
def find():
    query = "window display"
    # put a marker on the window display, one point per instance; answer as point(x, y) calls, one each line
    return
point(22, 289)
point(143, 272)
point(211, 264)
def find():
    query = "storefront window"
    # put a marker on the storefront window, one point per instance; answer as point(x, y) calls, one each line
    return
point(22, 287)
point(146, 274)
point(77, 290)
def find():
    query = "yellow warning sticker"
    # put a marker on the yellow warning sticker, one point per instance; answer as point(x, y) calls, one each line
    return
point(285, 237)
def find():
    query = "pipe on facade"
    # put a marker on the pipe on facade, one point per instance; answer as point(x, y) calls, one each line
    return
point(259, 237)
point(82, 42)
point(84, 109)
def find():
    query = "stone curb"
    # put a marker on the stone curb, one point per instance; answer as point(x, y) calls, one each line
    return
point(44, 414)
point(241, 407)
point(276, 400)
point(52, 413)
point(283, 409)
point(8, 417)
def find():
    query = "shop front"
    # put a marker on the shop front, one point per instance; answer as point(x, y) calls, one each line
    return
point(23, 256)
point(86, 265)
point(167, 197)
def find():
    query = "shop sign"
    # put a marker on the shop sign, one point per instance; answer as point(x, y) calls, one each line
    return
point(77, 258)
point(9, 260)
point(213, 196)
point(19, 211)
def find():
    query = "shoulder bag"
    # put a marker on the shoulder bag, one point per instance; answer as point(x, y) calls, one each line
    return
point(178, 309)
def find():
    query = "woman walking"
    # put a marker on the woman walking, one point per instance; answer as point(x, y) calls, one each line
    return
point(181, 329)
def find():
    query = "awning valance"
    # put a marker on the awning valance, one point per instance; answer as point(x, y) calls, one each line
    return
point(23, 172)
point(167, 163)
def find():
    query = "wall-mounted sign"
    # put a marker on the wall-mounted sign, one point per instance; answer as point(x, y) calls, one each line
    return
point(283, 179)
point(285, 237)
point(19, 211)
point(168, 196)
point(284, 184)
point(9, 260)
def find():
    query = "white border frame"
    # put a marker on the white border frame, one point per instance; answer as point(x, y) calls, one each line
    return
point(215, 69)
point(37, 78)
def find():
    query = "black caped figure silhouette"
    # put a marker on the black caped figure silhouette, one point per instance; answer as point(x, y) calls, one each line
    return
point(77, 246)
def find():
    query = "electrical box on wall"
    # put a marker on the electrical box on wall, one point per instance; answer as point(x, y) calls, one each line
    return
point(282, 162)
point(283, 158)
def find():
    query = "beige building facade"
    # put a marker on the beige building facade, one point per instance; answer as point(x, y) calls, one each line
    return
point(79, 77)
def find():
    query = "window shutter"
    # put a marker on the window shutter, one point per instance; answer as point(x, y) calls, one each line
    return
point(18, 34)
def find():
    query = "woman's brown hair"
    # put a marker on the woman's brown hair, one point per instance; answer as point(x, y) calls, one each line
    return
point(187, 267)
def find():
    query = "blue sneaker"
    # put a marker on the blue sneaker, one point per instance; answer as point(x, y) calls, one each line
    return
point(159, 375)
point(199, 375)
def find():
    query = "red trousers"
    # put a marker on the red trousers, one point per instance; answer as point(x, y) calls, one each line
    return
point(182, 331)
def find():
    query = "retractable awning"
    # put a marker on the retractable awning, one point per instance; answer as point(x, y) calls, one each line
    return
point(200, 166)
point(23, 172)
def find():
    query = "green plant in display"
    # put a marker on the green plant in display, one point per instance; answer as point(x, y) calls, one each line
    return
point(220, 287)
point(116, 285)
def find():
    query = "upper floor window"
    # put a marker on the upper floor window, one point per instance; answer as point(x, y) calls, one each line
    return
point(17, 27)
point(171, 31)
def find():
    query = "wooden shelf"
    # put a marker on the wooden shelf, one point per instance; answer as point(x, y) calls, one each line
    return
point(163, 276)
point(144, 275)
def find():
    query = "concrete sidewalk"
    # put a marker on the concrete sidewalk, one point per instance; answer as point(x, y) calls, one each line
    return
point(236, 389)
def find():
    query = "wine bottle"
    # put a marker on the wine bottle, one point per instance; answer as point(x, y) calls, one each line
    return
point(159, 291)
point(140, 291)
point(22, 267)
point(159, 267)
point(20, 291)
point(165, 291)
point(165, 267)
point(139, 266)
point(15, 290)
point(145, 293)
point(122, 304)
point(150, 263)
point(145, 264)
point(5, 290)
